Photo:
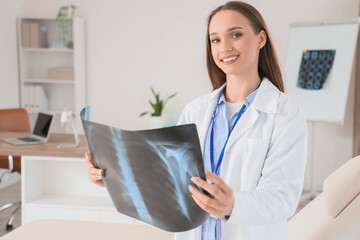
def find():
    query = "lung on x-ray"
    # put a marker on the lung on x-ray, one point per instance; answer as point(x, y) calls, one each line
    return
point(315, 68)
point(147, 173)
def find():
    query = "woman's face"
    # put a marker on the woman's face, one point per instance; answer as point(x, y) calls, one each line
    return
point(234, 45)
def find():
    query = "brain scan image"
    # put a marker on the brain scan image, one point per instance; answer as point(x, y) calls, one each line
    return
point(314, 68)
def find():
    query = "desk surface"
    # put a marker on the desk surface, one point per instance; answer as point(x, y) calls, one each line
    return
point(46, 149)
point(75, 230)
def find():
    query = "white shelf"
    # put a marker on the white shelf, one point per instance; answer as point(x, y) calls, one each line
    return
point(37, 91)
point(76, 207)
point(37, 17)
point(48, 81)
point(53, 111)
point(85, 202)
point(58, 187)
point(50, 50)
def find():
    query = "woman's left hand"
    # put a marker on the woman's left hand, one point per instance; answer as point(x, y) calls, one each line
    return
point(222, 201)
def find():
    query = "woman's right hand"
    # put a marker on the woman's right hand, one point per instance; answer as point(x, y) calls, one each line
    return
point(95, 174)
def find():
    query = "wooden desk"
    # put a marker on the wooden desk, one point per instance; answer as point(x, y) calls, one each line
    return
point(55, 183)
point(75, 230)
point(46, 149)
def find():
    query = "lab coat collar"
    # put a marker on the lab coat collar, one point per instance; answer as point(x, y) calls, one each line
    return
point(265, 99)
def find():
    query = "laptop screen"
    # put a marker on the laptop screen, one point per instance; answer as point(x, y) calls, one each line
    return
point(42, 125)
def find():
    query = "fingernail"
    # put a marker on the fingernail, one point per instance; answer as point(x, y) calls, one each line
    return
point(190, 188)
point(100, 177)
point(101, 172)
point(194, 179)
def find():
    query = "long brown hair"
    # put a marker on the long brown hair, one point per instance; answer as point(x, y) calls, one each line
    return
point(268, 65)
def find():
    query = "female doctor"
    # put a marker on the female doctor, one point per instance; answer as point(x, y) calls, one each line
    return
point(252, 137)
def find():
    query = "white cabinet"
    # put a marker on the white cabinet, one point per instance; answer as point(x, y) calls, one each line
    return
point(59, 188)
point(51, 78)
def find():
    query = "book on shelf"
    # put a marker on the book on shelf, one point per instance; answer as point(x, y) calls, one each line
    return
point(34, 99)
point(33, 36)
point(61, 73)
point(25, 35)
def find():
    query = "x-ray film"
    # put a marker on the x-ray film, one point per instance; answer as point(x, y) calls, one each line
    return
point(147, 172)
point(315, 68)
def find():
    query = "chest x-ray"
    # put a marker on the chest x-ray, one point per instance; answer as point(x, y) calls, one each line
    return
point(147, 172)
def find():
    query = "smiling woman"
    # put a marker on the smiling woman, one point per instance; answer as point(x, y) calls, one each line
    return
point(253, 137)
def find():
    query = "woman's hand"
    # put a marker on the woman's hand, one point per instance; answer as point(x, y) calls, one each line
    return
point(222, 201)
point(95, 174)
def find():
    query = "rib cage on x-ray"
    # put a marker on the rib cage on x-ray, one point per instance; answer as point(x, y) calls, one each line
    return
point(147, 173)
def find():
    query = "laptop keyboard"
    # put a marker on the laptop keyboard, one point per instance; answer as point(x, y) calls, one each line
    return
point(28, 139)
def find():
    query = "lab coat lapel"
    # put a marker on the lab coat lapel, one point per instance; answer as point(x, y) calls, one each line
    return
point(245, 122)
point(205, 118)
point(265, 101)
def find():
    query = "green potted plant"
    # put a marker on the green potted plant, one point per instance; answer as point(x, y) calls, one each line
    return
point(158, 106)
point(64, 22)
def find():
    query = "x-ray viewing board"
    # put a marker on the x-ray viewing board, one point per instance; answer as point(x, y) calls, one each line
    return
point(147, 173)
point(319, 65)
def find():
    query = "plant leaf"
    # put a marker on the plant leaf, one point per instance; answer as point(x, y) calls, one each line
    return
point(153, 105)
point(156, 95)
point(153, 92)
point(144, 113)
point(157, 98)
point(155, 115)
point(160, 107)
point(173, 95)
point(167, 99)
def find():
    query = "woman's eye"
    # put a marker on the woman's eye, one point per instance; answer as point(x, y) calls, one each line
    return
point(236, 35)
point(215, 40)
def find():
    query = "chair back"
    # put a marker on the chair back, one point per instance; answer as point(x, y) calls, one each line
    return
point(14, 120)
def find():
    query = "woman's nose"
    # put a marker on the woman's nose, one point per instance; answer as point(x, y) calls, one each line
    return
point(225, 47)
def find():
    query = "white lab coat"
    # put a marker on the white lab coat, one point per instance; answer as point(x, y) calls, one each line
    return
point(264, 163)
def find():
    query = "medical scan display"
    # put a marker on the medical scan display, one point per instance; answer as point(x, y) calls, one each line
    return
point(314, 69)
point(147, 172)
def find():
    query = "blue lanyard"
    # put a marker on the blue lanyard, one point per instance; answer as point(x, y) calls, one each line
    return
point(242, 110)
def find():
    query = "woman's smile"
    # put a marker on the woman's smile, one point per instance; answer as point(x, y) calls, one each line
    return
point(229, 59)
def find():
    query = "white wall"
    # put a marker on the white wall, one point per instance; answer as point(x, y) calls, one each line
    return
point(9, 82)
point(132, 45)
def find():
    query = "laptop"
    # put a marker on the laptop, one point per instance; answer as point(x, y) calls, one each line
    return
point(40, 134)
